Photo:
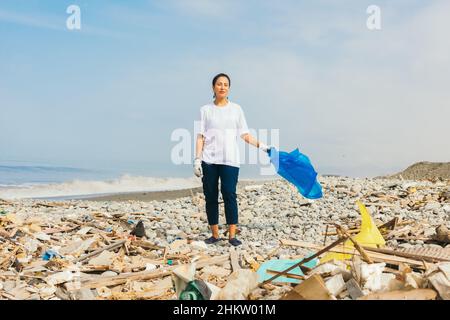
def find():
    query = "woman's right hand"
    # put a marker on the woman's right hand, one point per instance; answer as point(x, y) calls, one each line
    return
point(198, 167)
point(264, 147)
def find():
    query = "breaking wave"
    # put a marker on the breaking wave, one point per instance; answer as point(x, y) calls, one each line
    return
point(124, 184)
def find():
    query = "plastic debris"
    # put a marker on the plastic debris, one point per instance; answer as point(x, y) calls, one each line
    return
point(196, 290)
point(82, 250)
point(280, 265)
point(240, 284)
point(50, 254)
point(369, 235)
point(296, 168)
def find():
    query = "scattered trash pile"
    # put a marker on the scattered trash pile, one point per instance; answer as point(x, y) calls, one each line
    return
point(110, 254)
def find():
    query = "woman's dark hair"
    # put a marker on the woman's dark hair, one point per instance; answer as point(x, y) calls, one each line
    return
point(221, 75)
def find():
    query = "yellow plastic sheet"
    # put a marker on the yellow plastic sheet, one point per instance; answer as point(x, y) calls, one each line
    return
point(368, 236)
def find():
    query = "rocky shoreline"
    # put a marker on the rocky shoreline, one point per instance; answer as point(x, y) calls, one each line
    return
point(269, 211)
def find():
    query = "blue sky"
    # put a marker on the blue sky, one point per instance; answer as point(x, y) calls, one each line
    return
point(358, 102)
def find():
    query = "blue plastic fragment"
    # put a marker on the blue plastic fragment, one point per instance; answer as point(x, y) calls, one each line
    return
point(296, 168)
point(50, 254)
point(281, 265)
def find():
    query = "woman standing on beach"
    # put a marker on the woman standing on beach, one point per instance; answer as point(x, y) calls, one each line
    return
point(217, 156)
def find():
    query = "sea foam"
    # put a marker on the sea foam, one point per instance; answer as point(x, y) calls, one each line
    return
point(124, 184)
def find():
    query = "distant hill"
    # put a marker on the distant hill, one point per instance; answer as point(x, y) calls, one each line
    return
point(424, 171)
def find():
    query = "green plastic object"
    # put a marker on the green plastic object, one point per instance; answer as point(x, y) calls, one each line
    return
point(196, 290)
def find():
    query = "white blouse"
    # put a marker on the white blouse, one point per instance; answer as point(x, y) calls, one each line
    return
point(221, 127)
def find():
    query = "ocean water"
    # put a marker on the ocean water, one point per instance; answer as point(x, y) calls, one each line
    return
point(28, 181)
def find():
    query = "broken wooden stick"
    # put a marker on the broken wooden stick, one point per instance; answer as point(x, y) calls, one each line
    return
point(287, 275)
point(325, 238)
point(114, 245)
point(50, 205)
point(146, 245)
point(120, 279)
point(390, 224)
point(356, 244)
point(305, 260)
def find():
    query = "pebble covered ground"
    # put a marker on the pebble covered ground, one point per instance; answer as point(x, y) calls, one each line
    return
point(268, 212)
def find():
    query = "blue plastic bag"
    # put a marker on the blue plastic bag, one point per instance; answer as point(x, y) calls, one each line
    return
point(296, 168)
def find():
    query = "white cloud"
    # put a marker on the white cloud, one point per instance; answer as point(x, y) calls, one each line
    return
point(383, 102)
point(378, 101)
point(207, 8)
point(54, 22)
point(31, 20)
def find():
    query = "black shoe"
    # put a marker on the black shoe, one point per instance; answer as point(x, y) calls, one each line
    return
point(212, 240)
point(235, 242)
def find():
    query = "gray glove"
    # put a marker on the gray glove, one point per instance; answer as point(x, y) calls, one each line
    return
point(198, 167)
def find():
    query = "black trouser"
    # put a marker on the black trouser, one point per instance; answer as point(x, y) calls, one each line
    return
point(228, 180)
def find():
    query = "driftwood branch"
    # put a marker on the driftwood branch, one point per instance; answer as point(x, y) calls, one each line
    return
point(305, 260)
point(114, 245)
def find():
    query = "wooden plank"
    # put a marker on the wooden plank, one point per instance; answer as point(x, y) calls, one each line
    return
point(416, 294)
point(147, 275)
point(406, 254)
point(438, 253)
point(380, 257)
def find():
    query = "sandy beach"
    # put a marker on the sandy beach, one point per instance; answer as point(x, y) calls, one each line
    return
point(160, 195)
